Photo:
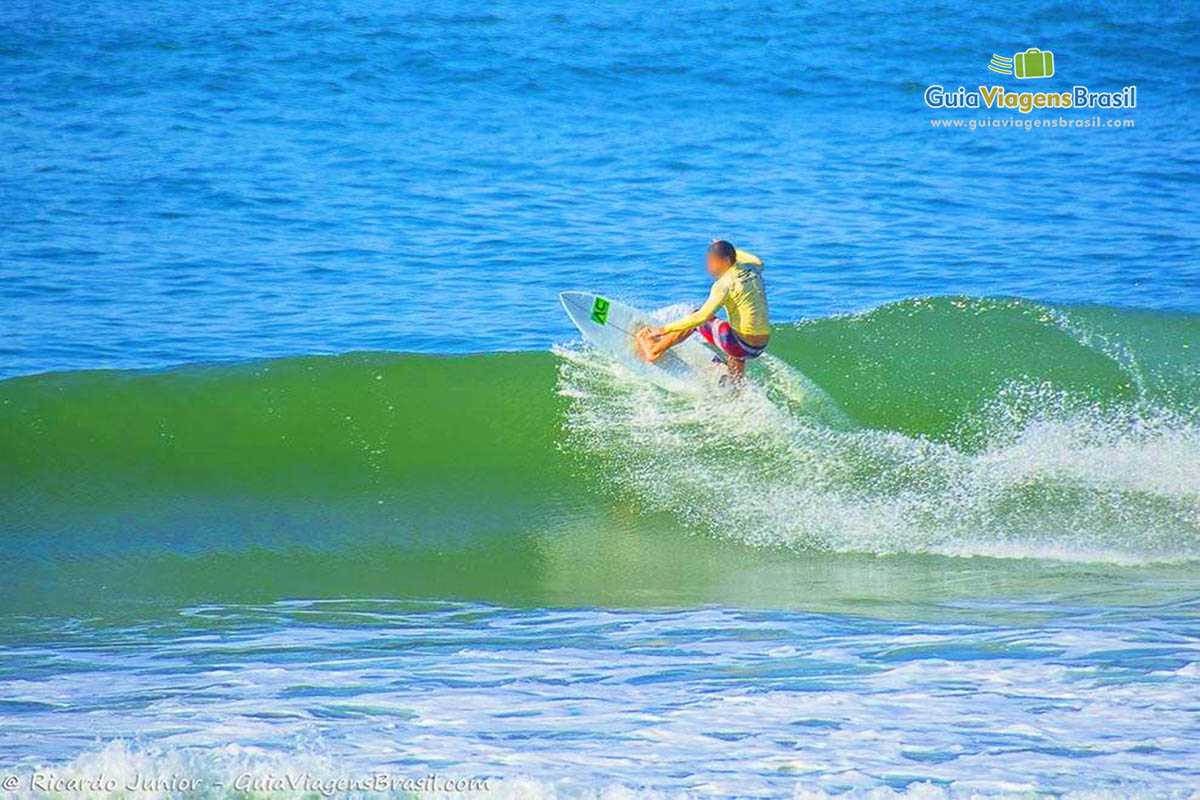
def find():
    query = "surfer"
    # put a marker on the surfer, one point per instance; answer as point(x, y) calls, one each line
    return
point(739, 288)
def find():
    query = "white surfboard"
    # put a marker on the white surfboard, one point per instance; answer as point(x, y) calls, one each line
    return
point(611, 326)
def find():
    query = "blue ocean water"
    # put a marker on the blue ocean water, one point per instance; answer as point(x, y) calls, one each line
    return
point(184, 183)
point(945, 545)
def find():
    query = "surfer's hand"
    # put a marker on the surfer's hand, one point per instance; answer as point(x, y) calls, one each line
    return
point(647, 337)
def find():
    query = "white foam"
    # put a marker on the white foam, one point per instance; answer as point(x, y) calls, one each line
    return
point(603, 703)
point(780, 465)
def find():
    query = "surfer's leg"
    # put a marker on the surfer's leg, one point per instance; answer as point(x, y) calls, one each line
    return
point(721, 335)
point(718, 334)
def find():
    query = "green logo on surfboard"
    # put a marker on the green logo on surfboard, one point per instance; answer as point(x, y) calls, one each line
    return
point(600, 311)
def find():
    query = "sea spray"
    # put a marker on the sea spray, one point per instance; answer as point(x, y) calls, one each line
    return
point(1040, 468)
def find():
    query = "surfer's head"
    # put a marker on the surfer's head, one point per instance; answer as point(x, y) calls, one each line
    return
point(721, 256)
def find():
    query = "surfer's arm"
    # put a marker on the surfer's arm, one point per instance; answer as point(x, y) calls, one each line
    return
point(717, 296)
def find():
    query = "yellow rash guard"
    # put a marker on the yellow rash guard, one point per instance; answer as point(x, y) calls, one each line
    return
point(742, 293)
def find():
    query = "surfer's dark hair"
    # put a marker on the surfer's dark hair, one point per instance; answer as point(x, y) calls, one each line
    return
point(725, 250)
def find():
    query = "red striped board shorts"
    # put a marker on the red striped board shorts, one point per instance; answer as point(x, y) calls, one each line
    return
point(721, 334)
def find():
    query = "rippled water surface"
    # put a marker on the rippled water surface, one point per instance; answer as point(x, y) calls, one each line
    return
point(186, 184)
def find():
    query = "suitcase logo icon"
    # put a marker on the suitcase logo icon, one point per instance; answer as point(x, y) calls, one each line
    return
point(1033, 63)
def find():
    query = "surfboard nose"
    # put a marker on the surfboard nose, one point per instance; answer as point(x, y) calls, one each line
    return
point(577, 305)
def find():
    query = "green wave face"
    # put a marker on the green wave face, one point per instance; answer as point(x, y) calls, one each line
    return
point(921, 430)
